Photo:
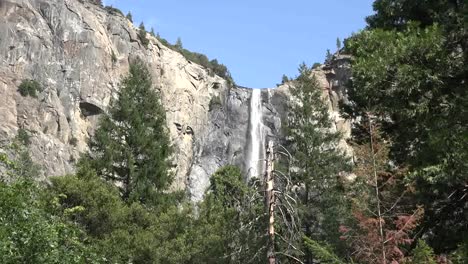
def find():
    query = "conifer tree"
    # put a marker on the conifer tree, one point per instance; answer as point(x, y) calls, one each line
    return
point(338, 44)
point(228, 229)
point(142, 35)
point(423, 254)
point(129, 17)
point(131, 145)
point(317, 161)
point(179, 44)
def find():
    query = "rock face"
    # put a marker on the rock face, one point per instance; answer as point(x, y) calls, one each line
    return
point(79, 51)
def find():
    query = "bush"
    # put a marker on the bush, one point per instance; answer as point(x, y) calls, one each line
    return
point(23, 137)
point(73, 141)
point(214, 66)
point(113, 10)
point(29, 88)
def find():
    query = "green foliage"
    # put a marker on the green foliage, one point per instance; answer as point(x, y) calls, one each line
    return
point(322, 253)
point(129, 17)
point(338, 44)
point(328, 56)
point(131, 145)
point(229, 228)
point(423, 254)
point(29, 88)
point(318, 160)
point(28, 234)
point(123, 232)
point(316, 65)
point(114, 10)
point(460, 255)
point(213, 65)
point(16, 163)
point(284, 79)
point(178, 45)
point(412, 76)
point(23, 137)
point(142, 35)
point(215, 102)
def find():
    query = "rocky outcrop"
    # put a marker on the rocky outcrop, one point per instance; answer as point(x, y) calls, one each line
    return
point(79, 51)
point(68, 46)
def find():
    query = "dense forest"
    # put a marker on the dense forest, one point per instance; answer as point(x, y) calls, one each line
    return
point(402, 198)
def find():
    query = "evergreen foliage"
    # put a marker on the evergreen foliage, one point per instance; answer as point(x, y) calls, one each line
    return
point(409, 70)
point(113, 10)
point(423, 254)
point(317, 161)
point(230, 227)
point(129, 17)
point(29, 88)
point(322, 253)
point(131, 145)
point(338, 44)
point(23, 137)
point(216, 68)
point(142, 35)
point(284, 79)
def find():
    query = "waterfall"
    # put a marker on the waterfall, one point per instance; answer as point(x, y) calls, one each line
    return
point(254, 165)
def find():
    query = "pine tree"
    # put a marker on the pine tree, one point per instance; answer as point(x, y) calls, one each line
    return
point(131, 145)
point(178, 44)
point(142, 35)
point(284, 79)
point(129, 17)
point(328, 56)
point(228, 229)
point(338, 44)
point(317, 161)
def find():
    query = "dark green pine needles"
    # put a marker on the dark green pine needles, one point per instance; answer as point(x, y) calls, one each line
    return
point(131, 146)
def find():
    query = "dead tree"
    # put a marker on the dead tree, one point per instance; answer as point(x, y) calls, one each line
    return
point(270, 202)
point(281, 208)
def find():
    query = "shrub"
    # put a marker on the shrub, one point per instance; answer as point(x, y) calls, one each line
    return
point(316, 65)
point(29, 88)
point(23, 137)
point(73, 141)
point(113, 10)
point(214, 66)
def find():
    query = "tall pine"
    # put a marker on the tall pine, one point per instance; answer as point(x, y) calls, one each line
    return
point(131, 146)
point(317, 160)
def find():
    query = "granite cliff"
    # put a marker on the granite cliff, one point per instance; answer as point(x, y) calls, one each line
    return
point(77, 51)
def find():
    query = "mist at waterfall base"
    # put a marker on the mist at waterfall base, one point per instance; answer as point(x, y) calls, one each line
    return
point(256, 136)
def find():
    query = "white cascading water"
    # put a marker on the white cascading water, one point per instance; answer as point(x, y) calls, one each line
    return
point(254, 165)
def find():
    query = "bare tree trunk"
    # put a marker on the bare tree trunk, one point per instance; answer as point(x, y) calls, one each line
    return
point(270, 202)
point(379, 213)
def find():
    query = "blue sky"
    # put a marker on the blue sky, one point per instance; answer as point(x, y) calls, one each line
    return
point(258, 40)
